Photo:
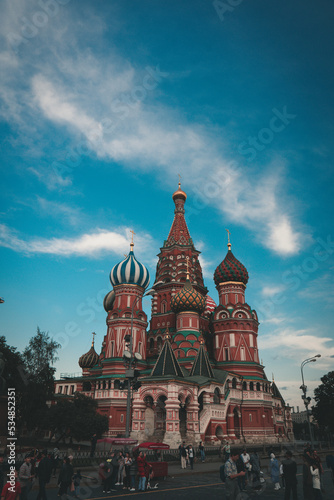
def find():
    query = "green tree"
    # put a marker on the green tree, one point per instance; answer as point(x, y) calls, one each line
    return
point(12, 372)
point(76, 418)
point(38, 357)
point(323, 411)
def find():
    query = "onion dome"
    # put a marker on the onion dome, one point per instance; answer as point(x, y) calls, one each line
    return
point(130, 271)
point(210, 306)
point(179, 194)
point(188, 299)
point(230, 269)
point(109, 300)
point(89, 359)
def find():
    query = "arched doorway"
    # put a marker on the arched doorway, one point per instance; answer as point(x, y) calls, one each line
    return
point(160, 417)
point(219, 433)
point(236, 420)
point(149, 416)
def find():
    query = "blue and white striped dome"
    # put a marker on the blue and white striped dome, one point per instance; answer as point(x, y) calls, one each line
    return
point(130, 271)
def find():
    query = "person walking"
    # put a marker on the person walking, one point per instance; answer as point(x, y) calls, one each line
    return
point(25, 476)
point(65, 478)
point(120, 474)
point(274, 471)
point(316, 483)
point(202, 451)
point(232, 475)
point(44, 474)
point(256, 469)
point(127, 464)
point(290, 476)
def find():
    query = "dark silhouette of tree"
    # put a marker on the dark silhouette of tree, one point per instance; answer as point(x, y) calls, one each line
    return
point(76, 418)
point(323, 411)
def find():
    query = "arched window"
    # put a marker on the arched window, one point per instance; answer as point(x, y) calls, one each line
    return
point(244, 386)
point(151, 344)
point(258, 387)
point(86, 386)
point(216, 396)
point(234, 383)
point(163, 306)
point(251, 386)
point(116, 384)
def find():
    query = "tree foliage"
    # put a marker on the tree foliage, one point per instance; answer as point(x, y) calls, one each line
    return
point(76, 419)
point(11, 367)
point(323, 411)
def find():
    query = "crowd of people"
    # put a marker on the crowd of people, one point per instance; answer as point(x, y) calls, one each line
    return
point(130, 471)
point(40, 466)
point(241, 468)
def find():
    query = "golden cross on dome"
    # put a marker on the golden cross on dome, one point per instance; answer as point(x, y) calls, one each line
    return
point(133, 233)
point(93, 339)
point(179, 180)
point(228, 239)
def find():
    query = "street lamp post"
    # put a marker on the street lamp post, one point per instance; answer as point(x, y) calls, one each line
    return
point(307, 400)
point(130, 359)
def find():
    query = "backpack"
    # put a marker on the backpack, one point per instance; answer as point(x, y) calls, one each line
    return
point(222, 473)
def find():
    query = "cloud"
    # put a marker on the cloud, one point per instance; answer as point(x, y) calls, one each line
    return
point(269, 291)
point(89, 245)
point(301, 343)
point(113, 107)
point(320, 290)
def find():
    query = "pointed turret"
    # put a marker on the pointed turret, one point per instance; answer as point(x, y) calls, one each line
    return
point(167, 363)
point(201, 366)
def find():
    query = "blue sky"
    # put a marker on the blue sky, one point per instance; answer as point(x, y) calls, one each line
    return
point(103, 104)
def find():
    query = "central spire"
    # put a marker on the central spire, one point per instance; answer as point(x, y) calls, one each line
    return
point(179, 232)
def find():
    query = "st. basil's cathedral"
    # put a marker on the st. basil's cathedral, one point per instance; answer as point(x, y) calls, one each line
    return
point(198, 363)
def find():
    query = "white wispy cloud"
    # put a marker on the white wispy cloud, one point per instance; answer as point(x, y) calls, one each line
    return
point(320, 290)
point(112, 105)
point(90, 244)
point(291, 343)
point(269, 291)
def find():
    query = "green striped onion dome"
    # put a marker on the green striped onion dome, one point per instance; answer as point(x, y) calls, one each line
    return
point(230, 270)
point(188, 299)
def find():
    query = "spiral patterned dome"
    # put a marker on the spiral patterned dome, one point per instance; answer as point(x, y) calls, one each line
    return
point(230, 270)
point(188, 299)
point(89, 359)
point(109, 300)
point(130, 271)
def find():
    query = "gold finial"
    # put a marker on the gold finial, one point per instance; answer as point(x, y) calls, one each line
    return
point(167, 334)
point(93, 339)
point(201, 340)
point(273, 377)
point(228, 239)
point(179, 181)
point(132, 243)
point(187, 259)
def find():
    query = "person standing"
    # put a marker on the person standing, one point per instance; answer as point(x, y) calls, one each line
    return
point(307, 480)
point(25, 476)
point(133, 471)
point(226, 451)
point(191, 456)
point(246, 460)
point(142, 464)
point(9, 492)
point(120, 474)
point(232, 475)
point(315, 471)
point(274, 471)
point(290, 476)
point(202, 451)
point(183, 455)
point(256, 469)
